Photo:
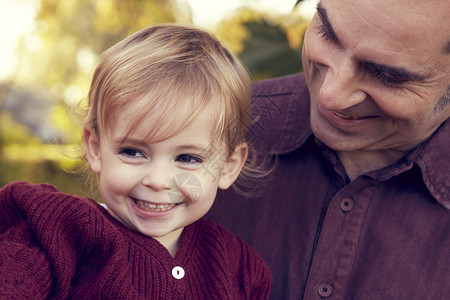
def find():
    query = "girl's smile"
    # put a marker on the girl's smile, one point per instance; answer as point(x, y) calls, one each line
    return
point(148, 206)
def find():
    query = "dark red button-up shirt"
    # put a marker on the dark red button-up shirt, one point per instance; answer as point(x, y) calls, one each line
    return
point(385, 235)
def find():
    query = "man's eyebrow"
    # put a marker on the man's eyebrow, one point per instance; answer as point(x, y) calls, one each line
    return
point(398, 73)
point(447, 48)
point(325, 27)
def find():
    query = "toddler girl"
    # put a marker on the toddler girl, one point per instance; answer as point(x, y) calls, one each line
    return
point(168, 110)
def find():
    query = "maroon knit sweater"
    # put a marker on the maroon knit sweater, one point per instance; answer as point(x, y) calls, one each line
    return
point(55, 245)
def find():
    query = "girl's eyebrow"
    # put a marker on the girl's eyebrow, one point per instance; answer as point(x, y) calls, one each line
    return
point(137, 142)
point(125, 140)
point(192, 147)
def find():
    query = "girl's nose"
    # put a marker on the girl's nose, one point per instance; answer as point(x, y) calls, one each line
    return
point(157, 176)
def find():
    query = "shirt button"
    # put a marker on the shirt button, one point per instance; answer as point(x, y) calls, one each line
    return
point(346, 204)
point(325, 289)
point(178, 272)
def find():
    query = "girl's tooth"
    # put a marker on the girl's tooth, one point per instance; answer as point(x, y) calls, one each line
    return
point(155, 207)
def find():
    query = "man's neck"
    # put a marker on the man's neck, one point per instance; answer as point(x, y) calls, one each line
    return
point(360, 162)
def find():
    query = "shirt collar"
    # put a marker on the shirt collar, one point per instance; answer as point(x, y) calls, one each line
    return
point(431, 157)
point(434, 163)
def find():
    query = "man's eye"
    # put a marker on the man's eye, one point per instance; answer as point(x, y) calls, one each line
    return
point(388, 80)
point(131, 152)
point(189, 159)
point(387, 76)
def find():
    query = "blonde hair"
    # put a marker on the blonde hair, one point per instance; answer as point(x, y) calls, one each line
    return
point(166, 69)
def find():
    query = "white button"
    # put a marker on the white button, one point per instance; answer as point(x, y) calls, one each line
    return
point(178, 272)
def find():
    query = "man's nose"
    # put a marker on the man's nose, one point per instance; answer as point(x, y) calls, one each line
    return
point(341, 86)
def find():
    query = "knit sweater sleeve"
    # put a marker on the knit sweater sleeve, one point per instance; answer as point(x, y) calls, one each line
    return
point(41, 239)
point(25, 271)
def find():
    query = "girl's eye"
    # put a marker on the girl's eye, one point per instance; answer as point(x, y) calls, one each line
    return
point(131, 152)
point(189, 159)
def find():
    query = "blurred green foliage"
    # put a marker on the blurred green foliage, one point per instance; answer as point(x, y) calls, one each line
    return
point(26, 157)
point(61, 56)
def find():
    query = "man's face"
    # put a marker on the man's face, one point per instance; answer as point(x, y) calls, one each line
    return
point(378, 72)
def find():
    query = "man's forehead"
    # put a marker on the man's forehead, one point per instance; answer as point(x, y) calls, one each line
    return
point(405, 13)
point(410, 25)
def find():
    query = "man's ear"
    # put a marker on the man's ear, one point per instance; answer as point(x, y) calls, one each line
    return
point(233, 166)
point(92, 145)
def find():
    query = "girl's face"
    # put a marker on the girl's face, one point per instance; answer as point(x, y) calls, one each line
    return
point(159, 188)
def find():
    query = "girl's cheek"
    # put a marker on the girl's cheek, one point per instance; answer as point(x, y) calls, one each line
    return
point(186, 186)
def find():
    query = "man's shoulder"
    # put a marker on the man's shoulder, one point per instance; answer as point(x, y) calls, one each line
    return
point(279, 86)
point(280, 114)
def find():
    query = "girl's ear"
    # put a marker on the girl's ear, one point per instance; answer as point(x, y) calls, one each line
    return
point(92, 145)
point(233, 166)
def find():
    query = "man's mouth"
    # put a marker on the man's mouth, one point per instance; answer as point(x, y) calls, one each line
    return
point(147, 206)
point(349, 117)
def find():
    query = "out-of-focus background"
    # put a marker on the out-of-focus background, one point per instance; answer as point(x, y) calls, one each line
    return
point(49, 49)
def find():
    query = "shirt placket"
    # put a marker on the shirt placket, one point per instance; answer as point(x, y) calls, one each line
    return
point(336, 248)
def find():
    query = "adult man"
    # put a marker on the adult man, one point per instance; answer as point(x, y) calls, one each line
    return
point(358, 206)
